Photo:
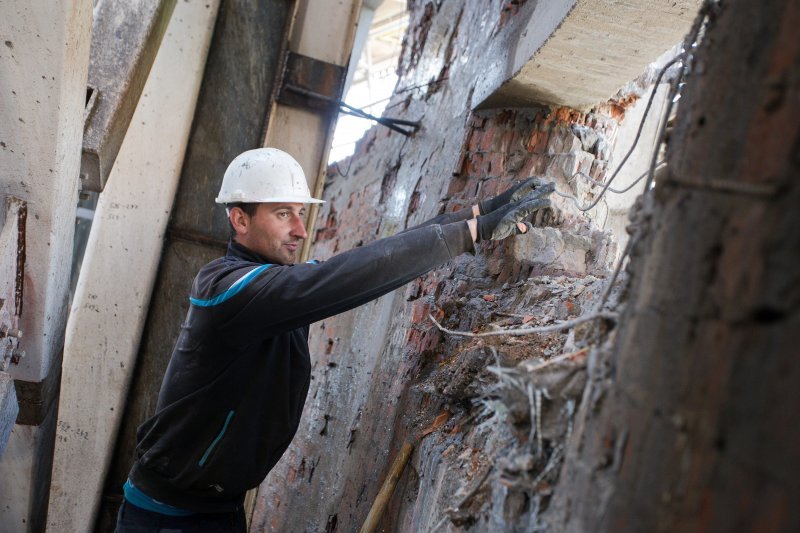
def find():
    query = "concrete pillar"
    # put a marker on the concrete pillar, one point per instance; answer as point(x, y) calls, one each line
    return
point(326, 35)
point(44, 58)
point(119, 269)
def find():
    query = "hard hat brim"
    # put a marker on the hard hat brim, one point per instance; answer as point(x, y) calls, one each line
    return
point(272, 200)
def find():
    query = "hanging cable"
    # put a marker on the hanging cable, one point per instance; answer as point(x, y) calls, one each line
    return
point(690, 43)
point(611, 189)
point(607, 185)
point(600, 183)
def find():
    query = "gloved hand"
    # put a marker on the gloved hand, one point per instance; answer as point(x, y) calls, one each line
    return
point(502, 222)
point(514, 194)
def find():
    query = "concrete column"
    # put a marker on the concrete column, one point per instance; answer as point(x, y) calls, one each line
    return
point(119, 269)
point(43, 74)
point(44, 59)
point(326, 35)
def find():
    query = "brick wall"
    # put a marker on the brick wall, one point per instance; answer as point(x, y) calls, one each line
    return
point(383, 374)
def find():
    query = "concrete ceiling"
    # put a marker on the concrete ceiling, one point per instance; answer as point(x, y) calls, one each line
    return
point(578, 53)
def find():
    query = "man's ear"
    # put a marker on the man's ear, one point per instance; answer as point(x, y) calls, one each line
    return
point(239, 220)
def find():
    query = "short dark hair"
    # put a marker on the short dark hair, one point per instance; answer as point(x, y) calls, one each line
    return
point(248, 208)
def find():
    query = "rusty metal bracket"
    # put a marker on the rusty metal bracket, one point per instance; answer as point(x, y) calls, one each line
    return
point(126, 35)
point(36, 398)
point(313, 84)
point(393, 124)
point(311, 76)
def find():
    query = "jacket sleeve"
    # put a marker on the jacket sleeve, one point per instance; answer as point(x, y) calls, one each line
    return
point(281, 298)
point(446, 218)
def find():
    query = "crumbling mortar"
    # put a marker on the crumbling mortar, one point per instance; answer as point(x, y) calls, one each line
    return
point(504, 157)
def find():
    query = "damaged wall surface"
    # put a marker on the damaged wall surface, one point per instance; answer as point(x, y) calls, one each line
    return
point(383, 374)
point(687, 427)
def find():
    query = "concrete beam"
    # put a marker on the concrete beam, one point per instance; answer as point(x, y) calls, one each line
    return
point(44, 59)
point(580, 53)
point(119, 268)
point(326, 35)
point(126, 35)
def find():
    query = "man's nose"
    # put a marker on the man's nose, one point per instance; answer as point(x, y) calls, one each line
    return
point(299, 228)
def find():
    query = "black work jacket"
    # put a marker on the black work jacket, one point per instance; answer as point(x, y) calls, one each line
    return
point(237, 381)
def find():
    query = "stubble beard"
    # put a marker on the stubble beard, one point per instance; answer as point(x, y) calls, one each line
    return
point(290, 257)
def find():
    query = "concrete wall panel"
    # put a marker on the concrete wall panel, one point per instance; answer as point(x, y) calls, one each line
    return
point(43, 70)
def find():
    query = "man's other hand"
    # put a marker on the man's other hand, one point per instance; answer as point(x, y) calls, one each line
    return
point(510, 219)
point(515, 193)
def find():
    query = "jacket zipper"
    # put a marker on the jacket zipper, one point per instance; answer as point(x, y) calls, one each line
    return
point(210, 448)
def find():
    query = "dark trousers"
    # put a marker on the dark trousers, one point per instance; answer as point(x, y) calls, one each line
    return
point(132, 519)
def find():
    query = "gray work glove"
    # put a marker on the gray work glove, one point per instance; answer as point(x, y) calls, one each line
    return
point(514, 194)
point(502, 222)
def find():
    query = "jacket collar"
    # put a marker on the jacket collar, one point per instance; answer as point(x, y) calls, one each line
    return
point(242, 252)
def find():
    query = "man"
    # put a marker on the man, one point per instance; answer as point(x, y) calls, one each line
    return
point(234, 390)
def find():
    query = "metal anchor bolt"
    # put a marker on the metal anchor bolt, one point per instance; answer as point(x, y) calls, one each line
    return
point(16, 355)
point(6, 331)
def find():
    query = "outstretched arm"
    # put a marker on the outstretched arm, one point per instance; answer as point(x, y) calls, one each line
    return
point(467, 213)
point(245, 297)
point(513, 194)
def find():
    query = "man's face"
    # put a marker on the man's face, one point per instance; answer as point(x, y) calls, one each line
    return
point(276, 231)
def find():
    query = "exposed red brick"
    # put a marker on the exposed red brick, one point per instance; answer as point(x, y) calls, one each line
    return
point(537, 142)
point(504, 117)
point(507, 140)
point(496, 163)
point(456, 186)
point(487, 140)
point(474, 165)
point(474, 140)
point(617, 108)
point(419, 311)
point(490, 187)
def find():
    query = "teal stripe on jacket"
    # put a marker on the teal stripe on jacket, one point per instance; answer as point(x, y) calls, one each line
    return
point(232, 291)
point(141, 500)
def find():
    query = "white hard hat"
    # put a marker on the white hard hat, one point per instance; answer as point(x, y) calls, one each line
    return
point(265, 175)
